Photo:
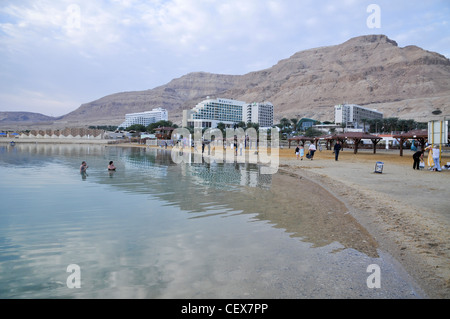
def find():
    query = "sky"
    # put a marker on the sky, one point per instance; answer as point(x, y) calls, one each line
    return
point(56, 55)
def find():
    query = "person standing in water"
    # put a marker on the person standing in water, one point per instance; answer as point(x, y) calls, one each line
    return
point(83, 167)
point(111, 166)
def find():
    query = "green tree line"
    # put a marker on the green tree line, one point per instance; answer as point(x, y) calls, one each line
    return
point(149, 128)
point(392, 124)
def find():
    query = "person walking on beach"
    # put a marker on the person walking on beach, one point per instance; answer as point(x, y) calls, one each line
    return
point(83, 167)
point(436, 159)
point(302, 152)
point(312, 150)
point(297, 151)
point(418, 156)
point(337, 148)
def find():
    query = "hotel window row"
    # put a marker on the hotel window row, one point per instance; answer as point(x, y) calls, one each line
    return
point(210, 112)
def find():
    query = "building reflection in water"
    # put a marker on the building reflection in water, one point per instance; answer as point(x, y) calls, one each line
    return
point(300, 207)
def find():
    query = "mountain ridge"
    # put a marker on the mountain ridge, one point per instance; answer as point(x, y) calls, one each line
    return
point(369, 70)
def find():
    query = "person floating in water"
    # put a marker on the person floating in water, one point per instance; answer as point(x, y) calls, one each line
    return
point(111, 166)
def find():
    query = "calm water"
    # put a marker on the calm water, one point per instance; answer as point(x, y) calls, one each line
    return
point(154, 229)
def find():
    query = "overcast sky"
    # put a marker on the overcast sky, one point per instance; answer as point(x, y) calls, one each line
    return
point(56, 54)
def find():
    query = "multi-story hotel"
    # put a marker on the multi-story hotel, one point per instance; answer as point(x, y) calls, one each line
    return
point(352, 115)
point(145, 118)
point(210, 112)
point(261, 113)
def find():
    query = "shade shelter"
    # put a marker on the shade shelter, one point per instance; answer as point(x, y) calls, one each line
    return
point(328, 138)
point(420, 135)
point(357, 137)
point(301, 139)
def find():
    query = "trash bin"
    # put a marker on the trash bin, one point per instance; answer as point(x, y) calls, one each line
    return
point(379, 167)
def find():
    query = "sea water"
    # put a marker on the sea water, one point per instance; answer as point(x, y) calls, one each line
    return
point(156, 229)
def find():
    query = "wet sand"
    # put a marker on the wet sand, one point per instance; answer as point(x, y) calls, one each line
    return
point(406, 211)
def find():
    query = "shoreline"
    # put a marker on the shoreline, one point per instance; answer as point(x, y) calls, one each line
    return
point(413, 229)
point(405, 210)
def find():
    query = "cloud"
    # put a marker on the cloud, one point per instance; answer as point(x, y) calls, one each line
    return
point(89, 48)
point(33, 101)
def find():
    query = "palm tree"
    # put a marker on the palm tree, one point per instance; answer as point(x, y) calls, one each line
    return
point(221, 126)
point(254, 125)
point(285, 122)
point(392, 123)
point(364, 123)
point(294, 124)
point(241, 124)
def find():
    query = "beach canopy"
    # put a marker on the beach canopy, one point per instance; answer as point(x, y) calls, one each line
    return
point(357, 137)
point(420, 135)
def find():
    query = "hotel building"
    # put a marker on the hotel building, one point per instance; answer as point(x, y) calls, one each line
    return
point(261, 113)
point(210, 112)
point(145, 118)
point(352, 115)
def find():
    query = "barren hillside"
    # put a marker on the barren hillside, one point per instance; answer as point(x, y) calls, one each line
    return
point(368, 70)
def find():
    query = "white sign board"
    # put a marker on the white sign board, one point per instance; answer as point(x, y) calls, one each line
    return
point(438, 132)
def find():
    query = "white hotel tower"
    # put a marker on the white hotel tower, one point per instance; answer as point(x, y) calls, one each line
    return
point(145, 118)
point(210, 112)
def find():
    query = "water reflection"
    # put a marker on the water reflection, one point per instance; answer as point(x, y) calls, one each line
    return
point(300, 207)
point(153, 229)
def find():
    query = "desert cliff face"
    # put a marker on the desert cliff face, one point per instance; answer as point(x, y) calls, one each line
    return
point(369, 70)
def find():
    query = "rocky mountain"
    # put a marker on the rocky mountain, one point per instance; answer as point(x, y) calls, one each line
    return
point(369, 70)
point(178, 94)
point(25, 117)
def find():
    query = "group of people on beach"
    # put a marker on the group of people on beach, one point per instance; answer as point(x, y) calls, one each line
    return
point(300, 151)
point(84, 167)
point(433, 160)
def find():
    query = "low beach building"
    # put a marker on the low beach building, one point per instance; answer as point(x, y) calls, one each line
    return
point(305, 124)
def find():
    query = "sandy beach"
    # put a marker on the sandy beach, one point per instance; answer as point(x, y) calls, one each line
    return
point(407, 211)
